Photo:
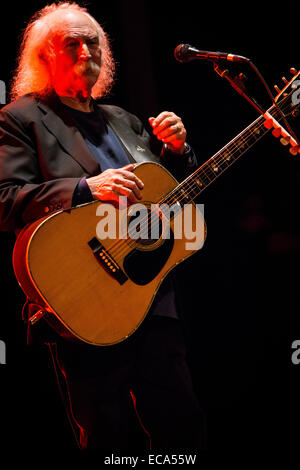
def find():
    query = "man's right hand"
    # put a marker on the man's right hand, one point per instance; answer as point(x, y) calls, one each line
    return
point(113, 183)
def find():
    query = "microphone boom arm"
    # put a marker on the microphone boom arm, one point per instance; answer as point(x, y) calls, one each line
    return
point(238, 85)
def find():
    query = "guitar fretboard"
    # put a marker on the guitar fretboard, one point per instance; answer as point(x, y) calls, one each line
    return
point(206, 174)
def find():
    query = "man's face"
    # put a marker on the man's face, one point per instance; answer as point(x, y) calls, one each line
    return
point(76, 65)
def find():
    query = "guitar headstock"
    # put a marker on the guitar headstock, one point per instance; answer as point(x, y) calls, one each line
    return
point(288, 99)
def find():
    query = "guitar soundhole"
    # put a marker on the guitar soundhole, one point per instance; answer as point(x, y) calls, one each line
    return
point(143, 265)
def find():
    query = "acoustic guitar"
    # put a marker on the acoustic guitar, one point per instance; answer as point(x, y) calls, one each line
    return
point(99, 290)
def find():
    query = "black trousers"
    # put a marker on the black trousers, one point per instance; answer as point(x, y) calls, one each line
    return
point(148, 374)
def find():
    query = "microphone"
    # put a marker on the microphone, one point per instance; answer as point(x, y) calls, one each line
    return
point(186, 53)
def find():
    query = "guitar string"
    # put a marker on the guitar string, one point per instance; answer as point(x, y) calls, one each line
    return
point(190, 182)
point(226, 150)
point(229, 149)
point(219, 159)
point(204, 173)
point(192, 185)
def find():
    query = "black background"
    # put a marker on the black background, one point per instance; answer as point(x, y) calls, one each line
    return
point(241, 290)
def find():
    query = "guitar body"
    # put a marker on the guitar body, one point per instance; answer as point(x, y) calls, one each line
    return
point(62, 266)
point(98, 289)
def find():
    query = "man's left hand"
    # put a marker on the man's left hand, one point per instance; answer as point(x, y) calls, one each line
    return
point(169, 128)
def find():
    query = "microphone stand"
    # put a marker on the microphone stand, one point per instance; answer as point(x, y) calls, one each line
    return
point(238, 84)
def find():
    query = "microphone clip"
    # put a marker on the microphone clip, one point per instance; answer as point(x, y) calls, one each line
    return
point(238, 83)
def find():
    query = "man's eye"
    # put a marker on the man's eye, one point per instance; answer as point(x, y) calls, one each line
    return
point(72, 44)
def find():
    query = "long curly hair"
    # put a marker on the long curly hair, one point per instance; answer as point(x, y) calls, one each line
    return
point(32, 73)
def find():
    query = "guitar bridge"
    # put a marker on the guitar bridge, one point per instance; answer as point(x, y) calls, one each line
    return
point(106, 261)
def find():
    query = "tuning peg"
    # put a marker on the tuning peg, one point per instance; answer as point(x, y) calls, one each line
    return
point(284, 80)
point(268, 123)
point(277, 88)
point(293, 71)
point(276, 132)
point(284, 141)
point(294, 150)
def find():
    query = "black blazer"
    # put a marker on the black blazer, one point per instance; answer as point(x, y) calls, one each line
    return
point(43, 156)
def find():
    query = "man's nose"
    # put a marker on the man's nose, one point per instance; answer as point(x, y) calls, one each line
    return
point(84, 52)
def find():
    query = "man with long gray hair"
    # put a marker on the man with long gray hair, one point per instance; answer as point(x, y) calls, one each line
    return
point(58, 149)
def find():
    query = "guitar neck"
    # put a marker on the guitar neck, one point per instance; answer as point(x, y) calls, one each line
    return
point(206, 174)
